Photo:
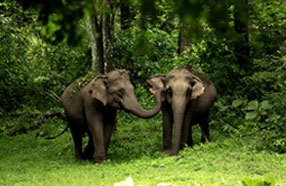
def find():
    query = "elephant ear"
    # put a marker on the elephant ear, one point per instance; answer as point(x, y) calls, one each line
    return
point(98, 89)
point(197, 88)
point(157, 82)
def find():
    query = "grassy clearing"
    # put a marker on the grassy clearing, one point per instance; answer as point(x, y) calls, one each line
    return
point(135, 151)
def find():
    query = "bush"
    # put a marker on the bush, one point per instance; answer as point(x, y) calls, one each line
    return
point(145, 54)
point(258, 109)
point(30, 68)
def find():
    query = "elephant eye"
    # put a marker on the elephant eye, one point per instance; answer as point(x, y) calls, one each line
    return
point(193, 83)
point(189, 92)
point(169, 91)
point(121, 92)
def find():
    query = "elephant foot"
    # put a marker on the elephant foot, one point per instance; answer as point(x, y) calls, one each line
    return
point(100, 159)
point(88, 157)
point(79, 156)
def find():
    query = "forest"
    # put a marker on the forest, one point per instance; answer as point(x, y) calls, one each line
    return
point(231, 53)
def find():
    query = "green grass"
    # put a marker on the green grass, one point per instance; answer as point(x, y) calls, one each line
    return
point(135, 151)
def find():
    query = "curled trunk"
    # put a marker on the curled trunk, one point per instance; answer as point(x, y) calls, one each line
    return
point(137, 109)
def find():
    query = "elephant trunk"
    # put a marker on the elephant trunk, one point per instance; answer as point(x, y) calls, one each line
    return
point(178, 106)
point(137, 109)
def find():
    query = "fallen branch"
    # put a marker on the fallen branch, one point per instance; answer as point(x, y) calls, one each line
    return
point(40, 118)
point(55, 96)
point(18, 129)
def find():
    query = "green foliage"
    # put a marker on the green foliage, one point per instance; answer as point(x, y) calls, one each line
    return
point(60, 19)
point(258, 108)
point(30, 68)
point(82, 81)
point(269, 180)
point(155, 57)
point(194, 12)
point(268, 26)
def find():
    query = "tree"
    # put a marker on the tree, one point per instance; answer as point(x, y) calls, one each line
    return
point(125, 15)
point(184, 39)
point(241, 18)
point(62, 24)
point(108, 27)
point(94, 29)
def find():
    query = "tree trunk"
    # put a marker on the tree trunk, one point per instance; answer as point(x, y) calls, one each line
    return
point(184, 38)
point(100, 31)
point(125, 14)
point(94, 30)
point(241, 18)
point(107, 36)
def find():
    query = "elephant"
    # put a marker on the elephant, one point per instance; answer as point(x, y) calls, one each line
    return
point(186, 101)
point(92, 110)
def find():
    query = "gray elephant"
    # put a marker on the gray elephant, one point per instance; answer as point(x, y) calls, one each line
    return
point(188, 98)
point(93, 109)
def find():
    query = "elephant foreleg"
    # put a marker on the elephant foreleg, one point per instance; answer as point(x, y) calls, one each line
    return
point(96, 129)
point(89, 150)
point(187, 129)
point(167, 128)
point(109, 128)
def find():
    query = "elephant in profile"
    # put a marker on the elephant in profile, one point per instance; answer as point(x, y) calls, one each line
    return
point(187, 100)
point(93, 108)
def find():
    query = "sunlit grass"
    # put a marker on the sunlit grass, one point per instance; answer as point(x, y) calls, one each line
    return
point(135, 151)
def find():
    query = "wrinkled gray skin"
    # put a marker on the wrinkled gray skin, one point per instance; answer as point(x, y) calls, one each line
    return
point(187, 100)
point(93, 110)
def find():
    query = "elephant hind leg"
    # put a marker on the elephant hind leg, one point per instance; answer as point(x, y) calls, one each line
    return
point(89, 149)
point(204, 124)
point(77, 138)
point(190, 137)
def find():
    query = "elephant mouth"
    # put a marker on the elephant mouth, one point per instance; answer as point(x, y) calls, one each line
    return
point(123, 107)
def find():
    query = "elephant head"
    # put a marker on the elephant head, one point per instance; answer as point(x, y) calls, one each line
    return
point(181, 88)
point(115, 89)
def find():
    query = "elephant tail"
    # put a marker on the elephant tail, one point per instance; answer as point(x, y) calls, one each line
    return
point(53, 137)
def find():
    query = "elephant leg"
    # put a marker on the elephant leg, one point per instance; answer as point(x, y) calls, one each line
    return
point(96, 129)
point(187, 128)
point(204, 124)
point(77, 138)
point(186, 134)
point(109, 128)
point(89, 149)
point(167, 128)
point(190, 138)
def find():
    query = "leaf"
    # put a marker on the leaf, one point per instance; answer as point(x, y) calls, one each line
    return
point(236, 103)
point(252, 105)
point(269, 178)
point(265, 105)
point(251, 115)
point(254, 182)
point(248, 182)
